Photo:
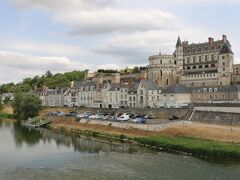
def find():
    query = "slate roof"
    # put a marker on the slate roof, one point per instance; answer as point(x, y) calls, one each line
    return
point(200, 48)
point(178, 42)
point(134, 87)
point(117, 86)
point(226, 49)
point(150, 85)
point(176, 89)
point(232, 88)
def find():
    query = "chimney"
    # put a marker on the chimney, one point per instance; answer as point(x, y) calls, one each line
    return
point(210, 40)
point(224, 38)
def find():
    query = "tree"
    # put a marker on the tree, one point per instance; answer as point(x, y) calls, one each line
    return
point(26, 105)
point(1, 105)
point(136, 70)
point(49, 74)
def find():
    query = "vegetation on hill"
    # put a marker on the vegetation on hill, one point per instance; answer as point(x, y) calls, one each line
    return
point(49, 80)
point(108, 71)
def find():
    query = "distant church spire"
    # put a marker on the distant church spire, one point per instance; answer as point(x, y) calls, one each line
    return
point(178, 42)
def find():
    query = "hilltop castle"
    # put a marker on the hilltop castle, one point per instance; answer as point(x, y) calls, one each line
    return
point(194, 65)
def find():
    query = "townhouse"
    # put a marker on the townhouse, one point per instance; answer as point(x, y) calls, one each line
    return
point(175, 96)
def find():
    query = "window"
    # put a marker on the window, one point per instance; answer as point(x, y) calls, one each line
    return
point(194, 59)
point(206, 58)
point(223, 63)
point(200, 58)
point(212, 57)
point(223, 69)
point(223, 57)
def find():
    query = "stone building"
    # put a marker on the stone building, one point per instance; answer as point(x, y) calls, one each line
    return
point(164, 70)
point(236, 74)
point(216, 94)
point(207, 64)
point(194, 65)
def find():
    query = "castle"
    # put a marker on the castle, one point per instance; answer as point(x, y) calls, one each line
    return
point(194, 65)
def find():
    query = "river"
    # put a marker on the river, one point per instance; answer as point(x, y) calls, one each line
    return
point(43, 154)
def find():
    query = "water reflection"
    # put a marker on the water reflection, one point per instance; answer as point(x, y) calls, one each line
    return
point(78, 143)
point(25, 135)
point(87, 144)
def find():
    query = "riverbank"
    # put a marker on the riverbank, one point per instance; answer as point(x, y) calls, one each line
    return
point(182, 141)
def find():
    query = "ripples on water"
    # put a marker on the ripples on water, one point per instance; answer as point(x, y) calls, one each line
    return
point(43, 154)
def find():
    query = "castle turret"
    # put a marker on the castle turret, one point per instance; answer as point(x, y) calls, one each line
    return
point(179, 53)
point(226, 60)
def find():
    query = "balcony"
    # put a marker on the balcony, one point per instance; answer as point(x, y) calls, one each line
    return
point(201, 70)
point(200, 63)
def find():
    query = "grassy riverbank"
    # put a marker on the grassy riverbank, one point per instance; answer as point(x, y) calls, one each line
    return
point(6, 116)
point(197, 147)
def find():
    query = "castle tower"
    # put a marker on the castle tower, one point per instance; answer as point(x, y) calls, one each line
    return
point(178, 54)
point(225, 64)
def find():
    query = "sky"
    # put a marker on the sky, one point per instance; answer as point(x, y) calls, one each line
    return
point(67, 35)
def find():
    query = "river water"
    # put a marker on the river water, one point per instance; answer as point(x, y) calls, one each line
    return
point(42, 154)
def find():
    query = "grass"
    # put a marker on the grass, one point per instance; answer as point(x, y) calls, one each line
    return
point(197, 147)
point(7, 116)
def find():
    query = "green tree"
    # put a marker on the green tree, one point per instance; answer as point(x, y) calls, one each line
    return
point(48, 74)
point(26, 105)
point(1, 105)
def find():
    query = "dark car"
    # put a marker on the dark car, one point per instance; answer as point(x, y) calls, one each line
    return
point(173, 118)
point(72, 114)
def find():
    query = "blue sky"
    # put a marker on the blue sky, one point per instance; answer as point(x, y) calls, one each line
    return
point(66, 35)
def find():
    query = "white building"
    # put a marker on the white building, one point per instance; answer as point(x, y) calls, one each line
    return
point(148, 94)
point(175, 96)
point(51, 97)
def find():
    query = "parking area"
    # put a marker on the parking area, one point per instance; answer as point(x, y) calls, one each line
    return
point(111, 116)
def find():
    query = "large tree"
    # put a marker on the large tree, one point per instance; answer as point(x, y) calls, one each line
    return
point(26, 105)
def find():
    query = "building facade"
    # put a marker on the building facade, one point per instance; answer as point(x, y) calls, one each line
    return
point(194, 65)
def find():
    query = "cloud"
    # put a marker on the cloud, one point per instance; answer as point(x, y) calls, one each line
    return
point(63, 5)
point(107, 21)
point(109, 66)
point(99, 17)
point(16, 66)
point(45, 48)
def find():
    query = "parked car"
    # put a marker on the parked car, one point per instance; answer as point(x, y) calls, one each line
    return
point(173, 118)
point(72, 114)
point(131, 115)
point(84, 115)
point(140, 120)
point(57, 113)
point(97, 116)
point(123, 117)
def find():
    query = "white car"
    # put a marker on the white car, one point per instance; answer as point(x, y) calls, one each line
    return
point(123, 117)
